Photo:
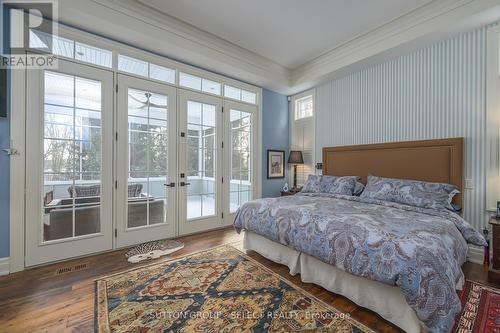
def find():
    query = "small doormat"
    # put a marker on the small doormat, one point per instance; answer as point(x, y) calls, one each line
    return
point(152, 250)
point(218, 290)
point(480, 309)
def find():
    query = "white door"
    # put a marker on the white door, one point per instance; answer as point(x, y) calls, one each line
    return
point(146, 161)
point(200, 162)
point(240, 149)
point(68, 162)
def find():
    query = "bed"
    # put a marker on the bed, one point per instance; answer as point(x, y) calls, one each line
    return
point(401, 261)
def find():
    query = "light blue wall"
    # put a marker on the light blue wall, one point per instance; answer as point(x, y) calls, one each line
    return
point(274, 136)
point(4, 174)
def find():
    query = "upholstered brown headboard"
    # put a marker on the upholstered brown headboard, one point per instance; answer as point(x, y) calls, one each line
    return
point(429, 160)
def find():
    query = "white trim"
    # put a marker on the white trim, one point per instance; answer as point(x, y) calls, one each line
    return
point(256, 186)
point(493, 118)
point(129, 236)
point(17, 169)
point(259, 158)
point(18, 122)
point(430, 23)
point(436, 20)
point(202, 223)
point(135, 52)
point(4, 266)
point(37, 251)
point(146, 26)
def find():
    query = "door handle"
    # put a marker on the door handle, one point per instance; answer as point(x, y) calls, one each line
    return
point(169, 185)
point(185, 184)
point(10, 151)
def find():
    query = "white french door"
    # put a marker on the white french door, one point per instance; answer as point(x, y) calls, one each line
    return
point(200, 162)
point(240, 156)
point(146, 161)
point(69, 145)
point(153, 163)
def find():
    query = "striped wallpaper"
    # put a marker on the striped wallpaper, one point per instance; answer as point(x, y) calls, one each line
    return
point(436, 92)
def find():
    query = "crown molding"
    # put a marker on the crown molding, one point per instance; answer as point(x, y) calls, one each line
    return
point(138, 10)
point(437, 20)
point(134, 23)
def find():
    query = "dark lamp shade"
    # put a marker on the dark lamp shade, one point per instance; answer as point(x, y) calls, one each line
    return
point(295, 157)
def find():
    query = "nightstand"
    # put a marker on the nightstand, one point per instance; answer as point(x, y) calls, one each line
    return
point(494, 272)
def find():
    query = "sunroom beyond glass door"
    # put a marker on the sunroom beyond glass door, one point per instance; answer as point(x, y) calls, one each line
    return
point(146, 161)
point(69, 147)
point(240, 120)
point(200, 158)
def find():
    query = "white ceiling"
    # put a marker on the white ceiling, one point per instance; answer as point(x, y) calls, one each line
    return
point(288, 32)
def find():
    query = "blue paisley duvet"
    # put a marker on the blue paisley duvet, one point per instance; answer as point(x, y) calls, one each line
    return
point(419, 250)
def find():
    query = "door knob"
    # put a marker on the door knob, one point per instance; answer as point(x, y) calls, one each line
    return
point(169, 185)
point(185, 184)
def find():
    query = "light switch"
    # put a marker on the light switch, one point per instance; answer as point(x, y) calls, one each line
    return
point(469, 184)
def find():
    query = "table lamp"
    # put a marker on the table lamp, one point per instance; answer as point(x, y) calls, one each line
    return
point(295, 158)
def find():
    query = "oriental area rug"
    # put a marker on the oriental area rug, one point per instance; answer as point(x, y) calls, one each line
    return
point(217, 290)
point(480, 309)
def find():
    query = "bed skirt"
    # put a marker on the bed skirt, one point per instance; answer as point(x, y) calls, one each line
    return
point(387, 301)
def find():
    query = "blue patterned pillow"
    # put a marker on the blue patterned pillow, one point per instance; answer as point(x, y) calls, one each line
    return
point(338, 185)
point(312, 184)
point(410, 192)
point(358, 189)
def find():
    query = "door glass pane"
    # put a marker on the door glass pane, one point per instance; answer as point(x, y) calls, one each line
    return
point(201, 159)
point(148, 157)
point(241, 158)
point(72, 157)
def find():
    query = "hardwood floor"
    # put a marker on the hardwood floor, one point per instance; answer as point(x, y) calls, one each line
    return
point(39, 300)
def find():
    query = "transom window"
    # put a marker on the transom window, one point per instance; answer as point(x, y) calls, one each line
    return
point(240, 94)
point(72, 49)
point(304, 107)
point(198, 83)
point(146, 69)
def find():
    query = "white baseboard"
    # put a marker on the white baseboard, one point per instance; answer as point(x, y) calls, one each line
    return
point(476, 255)
point(4, 266)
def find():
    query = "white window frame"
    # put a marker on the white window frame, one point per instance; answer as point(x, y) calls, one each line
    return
point(292, 129)
point(298, 100)
point(17, 121)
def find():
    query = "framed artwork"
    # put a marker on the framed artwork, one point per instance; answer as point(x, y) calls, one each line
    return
point(275, 164)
